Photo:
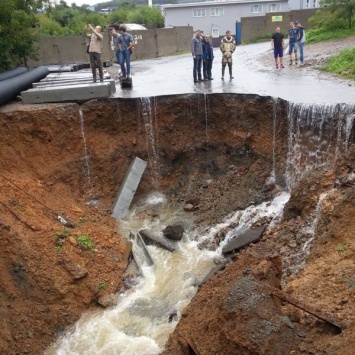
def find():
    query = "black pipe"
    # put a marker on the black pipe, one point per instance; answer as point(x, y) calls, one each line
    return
point(9, 88)
point(11, 73)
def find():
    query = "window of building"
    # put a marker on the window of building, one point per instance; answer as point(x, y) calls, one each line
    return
point(199, 12)
point(217, 11)
point(273, 7)
point(215, 32)
point(256, 8)
point(311, 3)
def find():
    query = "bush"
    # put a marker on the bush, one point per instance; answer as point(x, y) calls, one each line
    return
point(322, 34)
point(343, 64)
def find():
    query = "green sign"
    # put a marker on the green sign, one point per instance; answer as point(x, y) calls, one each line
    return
point(276, 18)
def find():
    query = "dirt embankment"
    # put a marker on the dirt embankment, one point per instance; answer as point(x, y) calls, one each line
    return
point(216, 154)
point(236, 311)
point(47, 278)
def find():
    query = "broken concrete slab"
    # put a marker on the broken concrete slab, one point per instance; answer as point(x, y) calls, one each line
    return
point(158, 240)
point(140, 252)
point(66, 76)
point(78, 92)
point(241, 240)
point(212, 272)
point(82, 81)
point(128, 187)
point(68, 80)
point(60, 68)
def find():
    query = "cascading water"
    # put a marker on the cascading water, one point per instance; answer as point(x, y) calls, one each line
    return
point(146, 314)
point(272, 177)
point(86, 156)
point(139, 324)
point(311, 132)
point(150, 125)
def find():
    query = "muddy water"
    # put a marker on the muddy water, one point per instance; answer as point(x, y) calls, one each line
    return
point(146, 314)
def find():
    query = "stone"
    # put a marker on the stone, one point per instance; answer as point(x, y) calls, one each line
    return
point(76, 271)
point(157, 239)
point(241, 240)
point(126, 246)
point(72, 240)
point(174, 231)
point(107, 300)
point(189, 207)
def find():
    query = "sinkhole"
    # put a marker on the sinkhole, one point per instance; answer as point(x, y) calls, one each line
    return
point(217, 165)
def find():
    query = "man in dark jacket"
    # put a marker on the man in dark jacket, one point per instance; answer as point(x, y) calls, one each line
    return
point(207, 48)
point(197, 53)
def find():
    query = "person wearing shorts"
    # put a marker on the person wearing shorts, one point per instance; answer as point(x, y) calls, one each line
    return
point(277, 44)
point(292, 43)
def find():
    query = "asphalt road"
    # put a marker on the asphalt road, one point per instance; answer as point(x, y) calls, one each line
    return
point(173, 75)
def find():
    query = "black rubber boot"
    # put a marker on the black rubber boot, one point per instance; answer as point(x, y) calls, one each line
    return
point(223, 69)
point(230, 73)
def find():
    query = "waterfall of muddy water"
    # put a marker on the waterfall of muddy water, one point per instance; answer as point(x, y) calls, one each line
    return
point(272, 177)
point(150, 126)
point(294, 258)
point(139, 324)
point(345, 125)
point(311, 132)
point(86, 158)
point(312, 229)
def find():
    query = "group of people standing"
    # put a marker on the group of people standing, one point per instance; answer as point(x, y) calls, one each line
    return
point(296, 41)
point(123, 43)
point(202, 54)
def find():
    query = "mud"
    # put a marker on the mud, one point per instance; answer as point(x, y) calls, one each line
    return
point(214, 152)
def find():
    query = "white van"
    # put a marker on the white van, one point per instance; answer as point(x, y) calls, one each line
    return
point(133, 26)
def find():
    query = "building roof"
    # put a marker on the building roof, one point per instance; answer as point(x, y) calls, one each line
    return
point(219, 3)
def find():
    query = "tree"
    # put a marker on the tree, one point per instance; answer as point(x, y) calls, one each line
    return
point(341, 9)
point(146, 15)
point(18, 32)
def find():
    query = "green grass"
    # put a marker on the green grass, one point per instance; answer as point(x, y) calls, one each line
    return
point(85, 242)
point(341, 248)
point(260, 38)
point(319, 34)
point(342, 64)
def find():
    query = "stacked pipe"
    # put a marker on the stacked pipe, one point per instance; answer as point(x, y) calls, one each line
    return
point(17, 80)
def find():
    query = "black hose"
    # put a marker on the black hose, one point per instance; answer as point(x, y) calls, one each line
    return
point(11, 73)
point(9, 88)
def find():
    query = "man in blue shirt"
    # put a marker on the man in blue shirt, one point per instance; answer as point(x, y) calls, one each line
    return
point(292, 43)
point(301, 40)
point(125, 44)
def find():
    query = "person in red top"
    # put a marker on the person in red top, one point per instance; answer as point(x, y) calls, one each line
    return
point(278, 45)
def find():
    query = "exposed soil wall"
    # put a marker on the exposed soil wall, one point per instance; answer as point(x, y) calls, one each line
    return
point(214, 151)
